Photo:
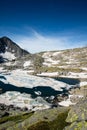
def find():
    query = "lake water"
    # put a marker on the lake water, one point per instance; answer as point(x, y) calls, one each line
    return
point(70, 81)
point(46, 91)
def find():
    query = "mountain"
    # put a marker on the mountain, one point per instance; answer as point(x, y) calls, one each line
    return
point(68, 63)
point(24, 88)
point(65, 61)
point(71, 63)
point(9, 50)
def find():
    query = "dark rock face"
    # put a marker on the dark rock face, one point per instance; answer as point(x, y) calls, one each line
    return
point(7, 45)
point(1, 59)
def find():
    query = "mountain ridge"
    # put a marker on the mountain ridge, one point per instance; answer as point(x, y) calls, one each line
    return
point(10, 47)
point(63, 62)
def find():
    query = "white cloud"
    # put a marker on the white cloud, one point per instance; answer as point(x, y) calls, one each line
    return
point(38, 42)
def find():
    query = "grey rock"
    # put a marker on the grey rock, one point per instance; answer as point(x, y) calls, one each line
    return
point(77, 116)
point(7, 45)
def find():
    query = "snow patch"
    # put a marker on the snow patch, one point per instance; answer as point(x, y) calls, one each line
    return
point(84, 68)
point(23, 100)
point(48, 74)
point(8, 55)
point(1, 68)
point(83, 83)
point(27, 63)
point(66, 103)
point(76, 75)
point(46, 55)
point(56, 53)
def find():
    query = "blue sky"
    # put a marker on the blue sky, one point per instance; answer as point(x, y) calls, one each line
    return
point(39, 25)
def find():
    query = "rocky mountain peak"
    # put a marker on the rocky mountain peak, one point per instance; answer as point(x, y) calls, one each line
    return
point(7, 46)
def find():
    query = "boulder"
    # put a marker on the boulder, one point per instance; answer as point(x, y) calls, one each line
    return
point(77, 116)
point(77, 126)
point(49, 119)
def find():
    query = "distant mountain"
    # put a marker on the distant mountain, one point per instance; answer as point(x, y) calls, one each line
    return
point(9, 50)
point(69, 58)
point(49, 63)
point(64, 61)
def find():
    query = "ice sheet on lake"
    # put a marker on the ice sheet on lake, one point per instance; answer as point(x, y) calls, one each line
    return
point(20, 78)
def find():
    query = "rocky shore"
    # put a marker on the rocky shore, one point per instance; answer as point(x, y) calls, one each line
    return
point(60, 118)
point(77, 116)
point(7, 110)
